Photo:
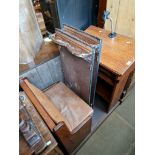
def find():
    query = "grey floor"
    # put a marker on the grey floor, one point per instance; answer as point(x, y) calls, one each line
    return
point(116, 135)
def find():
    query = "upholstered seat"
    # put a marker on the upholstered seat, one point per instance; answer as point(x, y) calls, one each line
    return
point(71, 107)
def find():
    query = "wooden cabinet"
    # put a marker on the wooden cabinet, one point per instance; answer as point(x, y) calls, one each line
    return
point(117, 64)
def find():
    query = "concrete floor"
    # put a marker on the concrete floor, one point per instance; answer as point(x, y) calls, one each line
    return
point(116, 136)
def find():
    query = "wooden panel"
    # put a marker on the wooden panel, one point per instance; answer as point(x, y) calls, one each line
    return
point(45, 75)
point(34, 78)
point(71, 106)
point(126, 18)
point(117, 54)
point(30, 38)
point(43, 78)
point(55, 69)
point(113, 7)
point(45, 133)
point(71, 141)
point(49, 122)
point(47, 105)
point(46, 52)
point(122, 13)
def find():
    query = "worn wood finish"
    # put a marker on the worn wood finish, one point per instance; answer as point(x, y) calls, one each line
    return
point(29, 33)
point(44, 75)
point(117, 54)
point(47, 105)
point(34, 78)
point(116, 65)
point(93, 41)
point(47, 51)
point(24, 148)
point(55, 70)
point(79, 48)
point(42, 81)
point(71, 141)
point(70, 105)
point(45, 116)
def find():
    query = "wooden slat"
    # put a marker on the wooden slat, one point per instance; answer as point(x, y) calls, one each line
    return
point(105, 78)
point(37, 105)
point(47, 105)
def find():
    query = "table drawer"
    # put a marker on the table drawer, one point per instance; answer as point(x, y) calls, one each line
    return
point(107, 76)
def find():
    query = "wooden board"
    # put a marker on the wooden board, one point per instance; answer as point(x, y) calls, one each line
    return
point(122, 13)
point(53, 70)
point(44, 73)
point(37, 105)
point(47, 105)
point(47, 51)
point(117, 54)
point(24, 148)
point(30, 38)
point(126, 18)
point(34, 78)
point(83, 50)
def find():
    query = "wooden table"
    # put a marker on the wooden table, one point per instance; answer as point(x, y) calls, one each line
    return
point(117, 64)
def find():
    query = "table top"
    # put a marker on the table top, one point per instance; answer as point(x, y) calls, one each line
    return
point(117, 54)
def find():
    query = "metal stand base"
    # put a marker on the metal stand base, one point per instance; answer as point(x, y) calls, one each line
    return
point(112, 35)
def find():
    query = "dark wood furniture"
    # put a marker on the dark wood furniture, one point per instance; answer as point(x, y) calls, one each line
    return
point(79, 61)
point(117, 64)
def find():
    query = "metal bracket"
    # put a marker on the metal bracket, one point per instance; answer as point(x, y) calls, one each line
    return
point(105, 16)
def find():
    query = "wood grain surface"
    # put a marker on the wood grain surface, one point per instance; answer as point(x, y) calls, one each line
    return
point(37, 105)
point(44, 131)
point(117, 54)
point(48, 106)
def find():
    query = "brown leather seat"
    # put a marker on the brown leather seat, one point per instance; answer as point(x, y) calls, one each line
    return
point(71, 107)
